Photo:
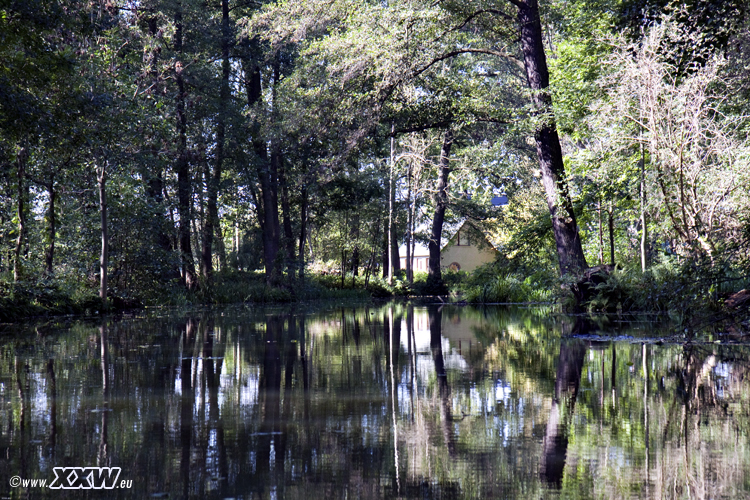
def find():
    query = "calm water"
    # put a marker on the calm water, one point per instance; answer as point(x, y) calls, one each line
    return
point(391, 401)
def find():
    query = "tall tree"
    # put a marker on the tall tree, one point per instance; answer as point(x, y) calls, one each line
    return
point(182, 165)
point(564, 226)
point(213, 182)
point(441, 203)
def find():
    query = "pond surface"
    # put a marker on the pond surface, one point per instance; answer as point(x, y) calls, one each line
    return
point(391, 401)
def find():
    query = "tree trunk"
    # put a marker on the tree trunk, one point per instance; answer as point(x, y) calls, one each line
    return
point(212, 184)
point(199, 200)
point(354, 239)
point(343, 267)
point(386, 251)
point(182, 166)
point(568, 241)
point(271, 227)
point(267, 176)
point(155, 190)
point(409, 230)
point(155, 183)
point(49, 252)
point(395, 255)
point(302, 233)
point(390, 209)
point(644, 222)
point(221, 248)
point(441, 203)
point(22, 196)
point(286, 216)
point(101, 177)
point(601, 230)
point(268, 216)
point(611, 221)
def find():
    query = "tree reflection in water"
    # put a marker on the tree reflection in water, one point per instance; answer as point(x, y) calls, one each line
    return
point(372, 402)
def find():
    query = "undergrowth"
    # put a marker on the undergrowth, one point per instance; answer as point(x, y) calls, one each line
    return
point(681, 288)
point(486, 286)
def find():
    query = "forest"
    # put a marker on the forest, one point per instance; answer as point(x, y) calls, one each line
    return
point(168, 152)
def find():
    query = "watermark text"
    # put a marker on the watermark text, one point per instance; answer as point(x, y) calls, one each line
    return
point(77, 478)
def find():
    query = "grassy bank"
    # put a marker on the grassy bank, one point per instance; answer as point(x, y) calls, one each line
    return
point(686, 291)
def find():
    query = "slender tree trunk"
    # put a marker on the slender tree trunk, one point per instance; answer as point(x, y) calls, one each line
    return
point(564, 226)
point(611, 221)
point(221, 248)
point(22, 197)
point(409, 232)
point(354, 235)
point(212, 184)
point(155, 190)
point(302, 233)
point(386, 250)
point(390, 208)
point(49, 253)
point(101, 177)
point(441, 203)
point(199, 223)
point(644, 222)
point(286, 217)
point(182, 166)
point(343, 267)
point(154, 181)
point(601, 231)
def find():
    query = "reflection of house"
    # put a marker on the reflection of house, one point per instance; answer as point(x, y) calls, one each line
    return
point(468, 249)
point(454, 337)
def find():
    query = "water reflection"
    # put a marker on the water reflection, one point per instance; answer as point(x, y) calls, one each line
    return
point(372, 402)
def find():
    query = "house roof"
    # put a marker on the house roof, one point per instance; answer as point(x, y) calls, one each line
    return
point(471, 225)
point(421, 250)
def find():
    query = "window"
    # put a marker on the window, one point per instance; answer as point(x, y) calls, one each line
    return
point(459, 241)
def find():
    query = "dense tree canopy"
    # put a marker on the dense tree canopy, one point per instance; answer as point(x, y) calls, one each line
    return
point(146, 146)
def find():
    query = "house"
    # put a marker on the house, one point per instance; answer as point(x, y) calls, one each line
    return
point(468, 249)
point(420, 259)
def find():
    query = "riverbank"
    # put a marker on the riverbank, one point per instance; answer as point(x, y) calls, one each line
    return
point(691, 300)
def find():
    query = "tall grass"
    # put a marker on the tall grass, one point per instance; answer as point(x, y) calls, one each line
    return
point(509, 288)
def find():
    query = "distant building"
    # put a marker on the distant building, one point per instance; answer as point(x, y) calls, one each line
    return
point(466, 250)
point(419, 260)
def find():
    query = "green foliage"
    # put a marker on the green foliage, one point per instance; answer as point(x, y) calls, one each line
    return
point(683, 289)
point(494, 283)
point(25, 299)
point(251, 287)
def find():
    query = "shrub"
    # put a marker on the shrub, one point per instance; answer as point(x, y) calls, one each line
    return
point(509, 288)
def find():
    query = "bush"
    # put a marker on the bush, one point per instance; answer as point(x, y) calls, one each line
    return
point(507, 280)
point(508, 288)
point(43, 297)
point(679, 288)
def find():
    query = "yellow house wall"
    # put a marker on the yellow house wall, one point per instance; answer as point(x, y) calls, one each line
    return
point(469, 257)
